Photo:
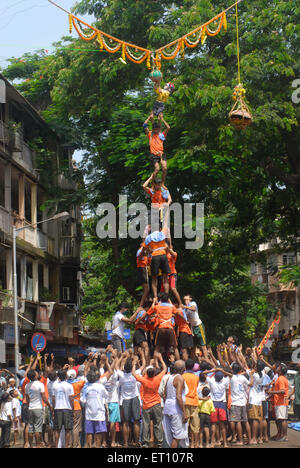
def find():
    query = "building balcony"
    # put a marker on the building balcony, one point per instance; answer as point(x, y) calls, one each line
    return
point(5, 221)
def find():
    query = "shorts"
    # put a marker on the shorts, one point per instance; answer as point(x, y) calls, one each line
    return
point(114, 412)
point(220, 414)
point(199, 335)
point(255, 412)
point(15, 424)
point(46, 415)
point(35, 421)
point(173, 280)
point(204, 420)
point(131, 409)
point(158, 107)
point(155, 158)
point(193, 418)
point(139, 337)
point(159, 262)
point(63, 417)
point(25, 413)
point(142, 275)
point(237, 414)
point(117, 343)
point(165, 339)
point(185, 340)
point(281, 412)
point(95, 427)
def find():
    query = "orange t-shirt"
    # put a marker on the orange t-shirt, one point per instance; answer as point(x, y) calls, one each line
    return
point(172, 260)
point(149, 389)
point(156, 243)
point(25, 382)
point(192, 381)
point(77, 386)
point(183, 327)
point(158, 197)
point(281, 384)
point(164, 313)
point(141, 261)
point(156, 144)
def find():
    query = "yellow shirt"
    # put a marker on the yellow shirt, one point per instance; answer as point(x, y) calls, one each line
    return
point(206, 406)
point(162, 94)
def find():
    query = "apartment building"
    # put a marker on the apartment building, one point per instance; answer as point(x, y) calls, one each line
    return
point(48, 253)
point(285, 296)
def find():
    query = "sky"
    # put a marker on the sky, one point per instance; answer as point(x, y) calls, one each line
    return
point(30, 25)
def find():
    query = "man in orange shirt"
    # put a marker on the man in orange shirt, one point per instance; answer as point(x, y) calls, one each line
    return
point(152, 409)
point(280, 392)
point(185, 336)
point(191, 402)
point(156, 244)
point(165, 340)
point(77, 385)
point(156, 141)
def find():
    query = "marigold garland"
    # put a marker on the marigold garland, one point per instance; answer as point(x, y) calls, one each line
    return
point(168, 52)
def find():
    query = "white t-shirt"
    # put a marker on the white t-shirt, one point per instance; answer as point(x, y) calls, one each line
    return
point(239, 390)
point(34, 390)
point(50, 384)
point(193, 315)
point(5, 411)
point(16, 405)
point(61, 392)
point(118, 325)
point(256, 393)
point(218, 389)
point(112, 388)
point(127, 385)
point(96, 396)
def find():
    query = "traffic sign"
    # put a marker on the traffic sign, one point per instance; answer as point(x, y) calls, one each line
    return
point(38, 342)
point(126, 334)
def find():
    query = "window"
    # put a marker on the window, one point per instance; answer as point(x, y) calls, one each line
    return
point(66, 293)
point(289, 259)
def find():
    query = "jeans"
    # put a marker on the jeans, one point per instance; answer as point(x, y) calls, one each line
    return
point(5, 427)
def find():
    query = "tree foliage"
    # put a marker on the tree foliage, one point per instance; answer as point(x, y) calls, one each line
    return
point(249, 181)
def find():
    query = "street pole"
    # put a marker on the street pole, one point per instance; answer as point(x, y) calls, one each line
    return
point(15, 299)
point(15, 232)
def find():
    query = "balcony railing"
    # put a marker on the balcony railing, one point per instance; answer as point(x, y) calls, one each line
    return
point(5, 221)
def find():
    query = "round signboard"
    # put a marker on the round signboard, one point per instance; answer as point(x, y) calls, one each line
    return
point(38, 342)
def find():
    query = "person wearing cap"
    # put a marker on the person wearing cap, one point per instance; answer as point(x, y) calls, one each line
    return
point(156, 141)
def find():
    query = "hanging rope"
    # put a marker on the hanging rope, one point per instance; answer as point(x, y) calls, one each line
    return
point(238, 43)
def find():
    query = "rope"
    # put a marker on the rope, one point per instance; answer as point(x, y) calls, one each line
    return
point(237, 43)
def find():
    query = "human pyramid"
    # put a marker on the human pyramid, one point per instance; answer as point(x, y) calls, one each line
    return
point(169, 390)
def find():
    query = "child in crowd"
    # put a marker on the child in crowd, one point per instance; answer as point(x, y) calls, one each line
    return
point(205, 408)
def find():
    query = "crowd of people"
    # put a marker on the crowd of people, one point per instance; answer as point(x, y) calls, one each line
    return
point(147, 396)
point(170, 389)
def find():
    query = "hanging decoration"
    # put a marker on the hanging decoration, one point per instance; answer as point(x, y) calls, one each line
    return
point(240, 116)
point(137, 54)
point(269, 333)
